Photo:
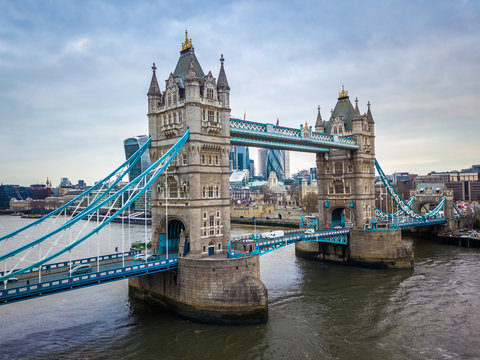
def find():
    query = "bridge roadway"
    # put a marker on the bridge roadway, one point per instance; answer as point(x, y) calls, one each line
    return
point(58, 281)
point(55, 277)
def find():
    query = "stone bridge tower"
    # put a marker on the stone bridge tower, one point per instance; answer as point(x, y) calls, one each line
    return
point(206, 285)
point(197, 190)
point(346, 177)
point(346, 194)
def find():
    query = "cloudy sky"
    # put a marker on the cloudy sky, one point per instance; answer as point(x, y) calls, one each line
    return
point(74, 75)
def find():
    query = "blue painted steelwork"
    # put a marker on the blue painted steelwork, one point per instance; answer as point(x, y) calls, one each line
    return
point(78, 281)
point(459, 212)
point(335, 237)
point(157, 168)
point(88, 260)
point(381, 214)
point(132, 161)
point(268, 135)
point(407, 209)
point(426, 222)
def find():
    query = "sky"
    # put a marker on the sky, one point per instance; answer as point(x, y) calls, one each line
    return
point(74, 75)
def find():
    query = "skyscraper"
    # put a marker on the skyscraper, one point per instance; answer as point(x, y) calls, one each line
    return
point(131, 145)
point(239, 158)
point(262, 163)
point(276, 163)
point(287, 164)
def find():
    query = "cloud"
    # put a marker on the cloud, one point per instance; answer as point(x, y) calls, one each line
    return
point(75, 75)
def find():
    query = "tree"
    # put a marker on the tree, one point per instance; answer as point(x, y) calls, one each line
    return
point(310, 203)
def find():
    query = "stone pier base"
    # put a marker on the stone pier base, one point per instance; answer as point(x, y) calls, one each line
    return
point(378, 249)
point(227, 291)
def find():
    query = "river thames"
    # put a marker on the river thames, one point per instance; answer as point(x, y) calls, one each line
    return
point(316, 311)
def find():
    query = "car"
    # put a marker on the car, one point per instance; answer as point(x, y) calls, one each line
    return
point(12, 280)
point(81, 269)
point(309, 231)
point(338, 227)
point(141, 257)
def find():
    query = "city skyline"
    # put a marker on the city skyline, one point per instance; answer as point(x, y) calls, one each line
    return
point(75, 76)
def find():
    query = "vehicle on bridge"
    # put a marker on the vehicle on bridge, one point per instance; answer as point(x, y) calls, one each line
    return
point(81, 269)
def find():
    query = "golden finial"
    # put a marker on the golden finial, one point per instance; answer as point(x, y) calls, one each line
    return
point(306, 126)
point(343, 93)
point(188, 42)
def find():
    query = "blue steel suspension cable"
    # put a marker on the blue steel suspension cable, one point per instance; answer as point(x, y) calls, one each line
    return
point(169, 156)
point(396, 197)
point(132, 159)
point(80, 216)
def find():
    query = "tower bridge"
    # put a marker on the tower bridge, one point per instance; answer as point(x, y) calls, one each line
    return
point(195, 267)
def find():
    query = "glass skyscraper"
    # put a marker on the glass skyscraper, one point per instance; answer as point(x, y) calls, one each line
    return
point(131, 145)
point(239, 158)
point(276, 163)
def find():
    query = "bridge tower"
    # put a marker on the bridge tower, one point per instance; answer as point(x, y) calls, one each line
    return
point(191, 203)
point(346, 194)
point(346, 190)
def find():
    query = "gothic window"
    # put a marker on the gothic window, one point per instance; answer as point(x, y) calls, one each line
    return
point(204, 248)
point(204, 192)
point(217, 223)
point(210, 192)
point(216, 159)
point(334, 129)
point(210, 93)
point(216, 191)
point(209, 159)
point(203, 159)
point(205, 216)
point(212, 221)
point(210, 115)
point(203, 114)
point(184, 159)
point(339, 189)
point(330, 189)
point(338, 168)
point(212, 231)
point(173, 189)
point(347, 188)
point(218, 213)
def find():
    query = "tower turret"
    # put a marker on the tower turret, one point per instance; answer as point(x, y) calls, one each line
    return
point(222, 85)
point(319, 124)
point(154, 94)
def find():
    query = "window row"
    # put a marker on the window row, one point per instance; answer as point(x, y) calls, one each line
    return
point(172, 118)
point(210, 159)
point(210, 191)
point(212, 115)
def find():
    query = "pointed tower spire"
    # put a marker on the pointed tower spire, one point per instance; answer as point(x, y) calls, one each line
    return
point(154, 88)
point(369, 114)
point(319, 124)
point(357, 110)
point(222, 82)
point(192, 72)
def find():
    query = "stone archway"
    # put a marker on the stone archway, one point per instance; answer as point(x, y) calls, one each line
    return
point(176, 231)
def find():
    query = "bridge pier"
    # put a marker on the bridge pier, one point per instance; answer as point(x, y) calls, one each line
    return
point(225, 291)
point(376, 249)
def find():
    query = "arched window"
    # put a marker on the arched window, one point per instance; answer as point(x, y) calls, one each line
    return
point(216, 192)
point(210, 191)
point(173, 189)
point(216, 159)
point(204, 192)
point(203, 158)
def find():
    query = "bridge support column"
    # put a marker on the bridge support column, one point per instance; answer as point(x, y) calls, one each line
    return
point(376, 249)
point(226, 291)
